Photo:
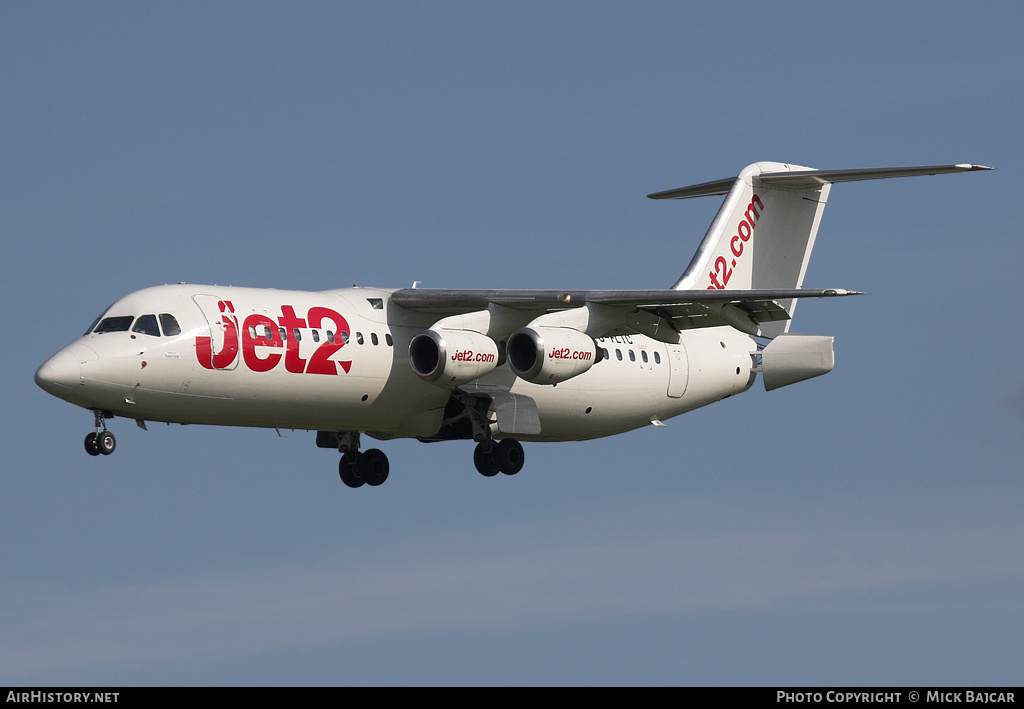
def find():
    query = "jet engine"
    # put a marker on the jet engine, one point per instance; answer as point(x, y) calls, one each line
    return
point(452, 357)
point(549, 355)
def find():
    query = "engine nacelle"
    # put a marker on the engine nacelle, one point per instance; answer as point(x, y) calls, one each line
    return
point(549, 355)
point(452, 357)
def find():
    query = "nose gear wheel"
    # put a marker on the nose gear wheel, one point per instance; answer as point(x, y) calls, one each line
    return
point(101, 441)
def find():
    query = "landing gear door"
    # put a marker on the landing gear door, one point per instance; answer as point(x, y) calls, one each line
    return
point(516, 414)
point(678, 371)
point(220, 349)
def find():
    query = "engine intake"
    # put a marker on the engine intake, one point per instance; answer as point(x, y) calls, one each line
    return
point(549, 355)
point(452, 357)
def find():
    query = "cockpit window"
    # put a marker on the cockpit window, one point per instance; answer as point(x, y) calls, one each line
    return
point(118, 323)
point(92, 328)
point(170, 324)
point(146, 325)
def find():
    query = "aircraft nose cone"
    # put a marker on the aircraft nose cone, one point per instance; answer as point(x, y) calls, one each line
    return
point(59, 374)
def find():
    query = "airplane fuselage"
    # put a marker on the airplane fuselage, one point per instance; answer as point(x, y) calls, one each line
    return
point(338, 361)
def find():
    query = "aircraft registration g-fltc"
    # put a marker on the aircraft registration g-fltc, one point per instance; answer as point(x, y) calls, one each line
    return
point(493, 366)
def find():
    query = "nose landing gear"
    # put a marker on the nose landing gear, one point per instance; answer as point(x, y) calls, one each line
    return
point(101, 441)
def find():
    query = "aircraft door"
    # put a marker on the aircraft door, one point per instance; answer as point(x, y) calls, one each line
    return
point(220, 349)
point(679, 370)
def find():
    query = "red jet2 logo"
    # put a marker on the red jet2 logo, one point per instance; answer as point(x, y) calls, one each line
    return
point(319, 363)
point(744, 230)
point(471, 356)
point(567, 353)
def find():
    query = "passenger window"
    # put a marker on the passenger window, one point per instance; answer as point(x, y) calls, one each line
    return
point(373, 338)
point(120, 323)
point(387, 339)
point(344, 337)
point(657, 358)
point(252, 332)
point(169, 324)
point(298, 334)
point(284, 334)
point(330, 337)
point(359, 338)
point(632, 357)
point(316, 336)
point(618, 354)
point(267, 334)
point(146, 325)
point(604, 354)
point(643, 355)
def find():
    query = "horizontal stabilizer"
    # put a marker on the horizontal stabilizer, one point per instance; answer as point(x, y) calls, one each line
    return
point(812, 178)
point(704, 189)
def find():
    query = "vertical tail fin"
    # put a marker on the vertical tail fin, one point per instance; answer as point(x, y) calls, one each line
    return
point(764, 232)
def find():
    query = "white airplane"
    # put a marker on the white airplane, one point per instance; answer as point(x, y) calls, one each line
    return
point(493, 366)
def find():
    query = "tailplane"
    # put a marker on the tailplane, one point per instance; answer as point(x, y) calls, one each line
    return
point(764, 232)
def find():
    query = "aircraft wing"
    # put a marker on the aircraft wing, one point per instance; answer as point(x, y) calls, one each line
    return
point(680, 309)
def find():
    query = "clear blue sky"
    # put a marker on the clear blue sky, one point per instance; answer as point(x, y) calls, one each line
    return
point(860, 528)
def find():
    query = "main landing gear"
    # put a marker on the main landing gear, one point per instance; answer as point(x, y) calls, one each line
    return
point(505, 456)
point(371, 467)
point(101, 441)
point(490, 457)
point(356, 469)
